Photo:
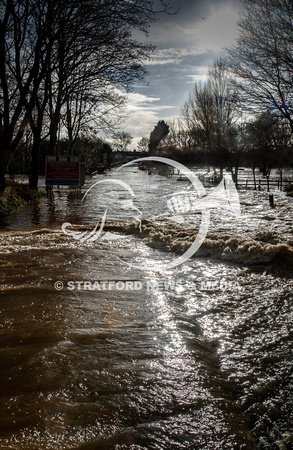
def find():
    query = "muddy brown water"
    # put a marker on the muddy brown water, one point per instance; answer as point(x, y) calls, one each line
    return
point(116, 357)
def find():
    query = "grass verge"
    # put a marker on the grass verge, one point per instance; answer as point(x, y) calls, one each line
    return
point(16, 195)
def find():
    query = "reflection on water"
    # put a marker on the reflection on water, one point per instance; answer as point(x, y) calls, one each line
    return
point(201, 360)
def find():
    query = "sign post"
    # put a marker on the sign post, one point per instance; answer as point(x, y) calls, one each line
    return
point(64, 171)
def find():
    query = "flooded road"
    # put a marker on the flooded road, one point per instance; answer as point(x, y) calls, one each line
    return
point(98, 354)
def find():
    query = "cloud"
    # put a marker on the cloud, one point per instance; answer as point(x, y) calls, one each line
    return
point(187, 44)
point(140, 104)
point(217, 31)
point(172, 55)
point(143, 114)
point(200, 76)
point(191, 35)
point(205, 24)
point(138, 101)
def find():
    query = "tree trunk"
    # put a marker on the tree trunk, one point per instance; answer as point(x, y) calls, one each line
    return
point(53, 136)
point(37, 139)
point(69, 128)
point(34, 167)
point(4, 160)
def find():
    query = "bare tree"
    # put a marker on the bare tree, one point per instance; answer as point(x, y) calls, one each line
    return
point(95, 57)
point(56, 54)
point(261, 62)
point(177, 137)
point(92, 113)
point(210, 116)
point(143, 145)
point(122, 141)
point(26, 40)
point(267, 139)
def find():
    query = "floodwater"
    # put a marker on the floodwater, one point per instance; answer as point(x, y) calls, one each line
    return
point(101, 350)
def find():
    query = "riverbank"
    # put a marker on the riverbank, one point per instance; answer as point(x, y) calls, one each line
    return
point(16, 195)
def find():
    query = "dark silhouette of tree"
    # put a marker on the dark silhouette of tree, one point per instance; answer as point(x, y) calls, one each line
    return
point(261, 62)
point(56, 54)
point(159, 132)
point(210, 116)
point(122, 141)
point(27, 35)
point(143, 145)
point(177, 137)
point(267, 139)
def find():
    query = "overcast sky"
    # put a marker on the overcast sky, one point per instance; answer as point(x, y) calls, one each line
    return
point(186, 45)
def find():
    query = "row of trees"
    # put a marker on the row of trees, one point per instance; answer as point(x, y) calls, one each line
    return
point(243, 113)
point(217, 123)
point(92, 151)
point(64, 64)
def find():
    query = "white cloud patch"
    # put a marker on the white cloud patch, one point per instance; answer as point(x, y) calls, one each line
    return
point(200, 76)
point(143, 114)
point(172, 55)
point(138, 101)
